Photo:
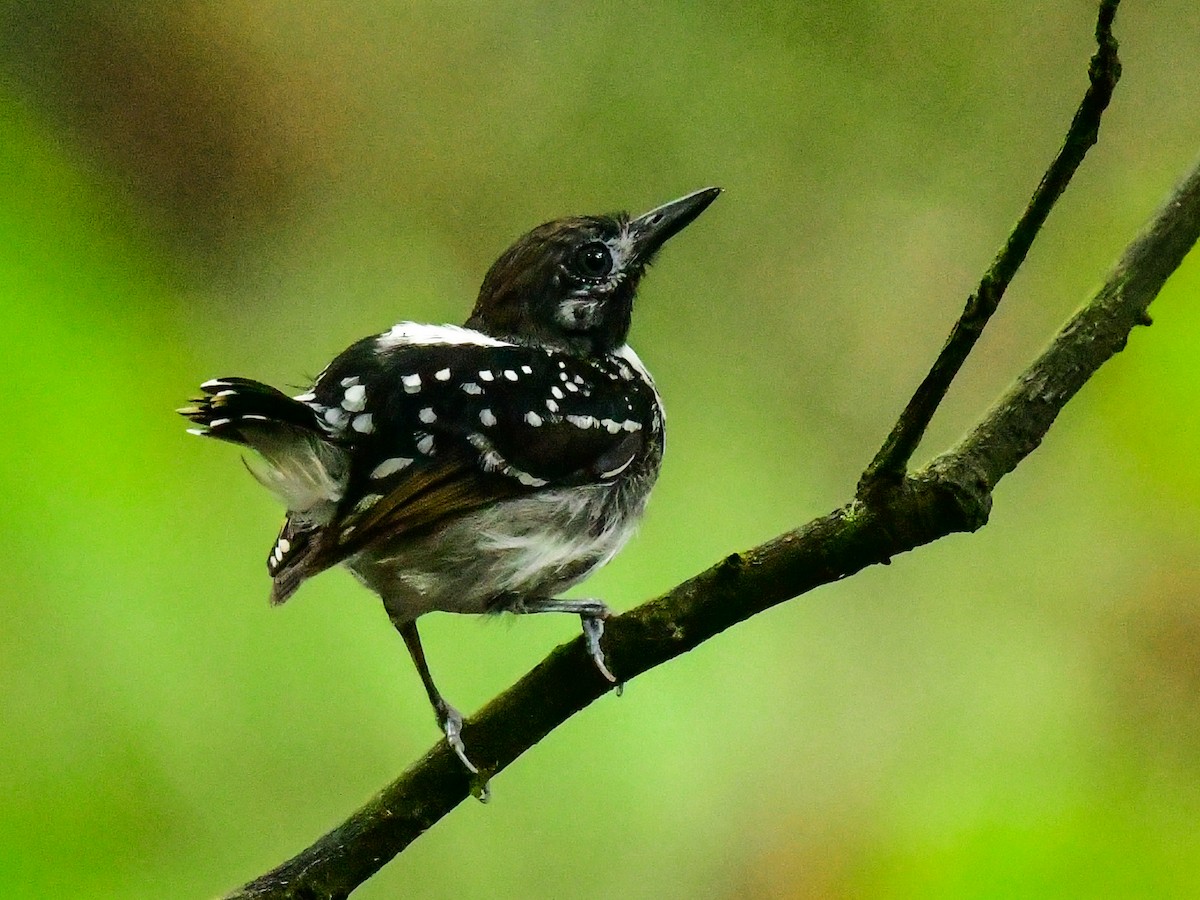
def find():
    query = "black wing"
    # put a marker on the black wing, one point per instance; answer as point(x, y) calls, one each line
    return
point(440, 428)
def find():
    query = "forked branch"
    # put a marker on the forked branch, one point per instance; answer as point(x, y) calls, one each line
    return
point(892, 512)
point(891, 462)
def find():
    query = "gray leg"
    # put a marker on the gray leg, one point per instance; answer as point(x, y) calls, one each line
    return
point(591, 612)
point(448, 718)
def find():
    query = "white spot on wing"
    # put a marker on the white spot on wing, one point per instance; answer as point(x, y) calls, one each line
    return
point(471, 387)
point(412, 383)
point(391, 466)
point(442, 374)
point(533, 419)
point(510, 374)
point(363, 424)
point(355, 399)
point(427, 415)
point(487, 417)
point(425, 444)
point(486, 375)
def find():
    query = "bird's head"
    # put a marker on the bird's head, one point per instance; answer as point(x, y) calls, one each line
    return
point(570, 284)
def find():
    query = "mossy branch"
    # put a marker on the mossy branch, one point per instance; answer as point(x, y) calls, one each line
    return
point(893, 511)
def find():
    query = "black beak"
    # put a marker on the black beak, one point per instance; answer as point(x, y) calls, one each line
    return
point(655, 228)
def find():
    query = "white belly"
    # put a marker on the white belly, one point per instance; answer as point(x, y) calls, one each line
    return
point(533, 546)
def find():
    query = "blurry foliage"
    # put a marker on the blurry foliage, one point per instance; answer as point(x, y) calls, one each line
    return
point(196, 189)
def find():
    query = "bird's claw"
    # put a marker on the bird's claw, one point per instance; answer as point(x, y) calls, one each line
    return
point(593, 629)
point(450, 720)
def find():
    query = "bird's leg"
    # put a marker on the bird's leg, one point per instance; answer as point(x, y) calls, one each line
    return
point(448, 718)
point(592, 613)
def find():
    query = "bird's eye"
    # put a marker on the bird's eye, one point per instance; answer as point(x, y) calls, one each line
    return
point(593, 260)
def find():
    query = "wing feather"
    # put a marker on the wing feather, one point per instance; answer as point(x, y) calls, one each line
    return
point(436, 430)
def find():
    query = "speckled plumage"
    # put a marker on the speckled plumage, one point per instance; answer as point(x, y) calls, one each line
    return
point(476, 468)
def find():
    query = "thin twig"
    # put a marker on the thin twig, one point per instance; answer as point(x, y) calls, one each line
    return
point(952, 494)
point(891, 462)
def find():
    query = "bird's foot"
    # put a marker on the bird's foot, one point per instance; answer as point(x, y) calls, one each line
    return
point(593, 630)
point(450, 720)
point(592, 614)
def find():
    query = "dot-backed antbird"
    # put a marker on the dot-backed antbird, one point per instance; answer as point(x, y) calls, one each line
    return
point(480, 468)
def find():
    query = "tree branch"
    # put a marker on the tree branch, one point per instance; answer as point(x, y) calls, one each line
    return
point(899, 512)
point(891, 462)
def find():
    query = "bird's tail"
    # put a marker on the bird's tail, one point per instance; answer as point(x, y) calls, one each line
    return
point(298, 462)
point(234, 409)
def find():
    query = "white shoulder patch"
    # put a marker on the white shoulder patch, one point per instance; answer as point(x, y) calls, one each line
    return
point(405, 333)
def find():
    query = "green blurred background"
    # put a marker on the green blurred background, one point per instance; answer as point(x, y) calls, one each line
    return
point(192, 189)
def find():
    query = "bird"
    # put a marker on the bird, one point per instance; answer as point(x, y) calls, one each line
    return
point(479, 468)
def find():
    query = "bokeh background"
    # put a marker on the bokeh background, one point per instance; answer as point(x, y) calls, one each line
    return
point(192, 189)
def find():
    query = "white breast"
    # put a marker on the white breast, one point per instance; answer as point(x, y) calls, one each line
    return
point(550, 542)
